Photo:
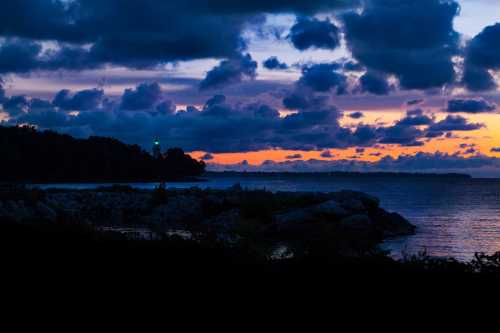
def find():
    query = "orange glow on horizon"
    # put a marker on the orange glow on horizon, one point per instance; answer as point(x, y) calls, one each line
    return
point(484, 139)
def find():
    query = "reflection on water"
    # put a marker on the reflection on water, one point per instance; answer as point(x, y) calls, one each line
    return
point(455, 217)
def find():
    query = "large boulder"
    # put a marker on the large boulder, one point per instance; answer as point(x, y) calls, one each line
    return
point(357, 223)
point(329, 209)
point(180, 210)
point(227, 221)
point(392, 224)
point(17, 210)
point(355, 201)
point(45, 212)
point(224, 227)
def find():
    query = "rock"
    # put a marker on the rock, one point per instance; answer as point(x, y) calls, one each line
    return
point(236, 188)
point(180, 210)
point(295, 216)
point(356, 201)
point(392, 224)
point(214, 200)
point(18, 210)
point(330, 208)
point(358, 223)
point(227, 221)
point(298, 222)
point(45, 212)
point(225, 227)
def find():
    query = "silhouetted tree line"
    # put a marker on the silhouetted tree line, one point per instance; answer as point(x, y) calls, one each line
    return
point(35, 156)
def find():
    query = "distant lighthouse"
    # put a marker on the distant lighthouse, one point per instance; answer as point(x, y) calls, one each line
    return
point(156, 149)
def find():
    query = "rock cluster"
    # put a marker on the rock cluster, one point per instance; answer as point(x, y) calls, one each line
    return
point(229, 215)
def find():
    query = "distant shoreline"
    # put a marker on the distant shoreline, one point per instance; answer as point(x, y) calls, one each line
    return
point(228, 174)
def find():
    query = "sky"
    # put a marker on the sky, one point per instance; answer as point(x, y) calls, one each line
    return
point(316, 85)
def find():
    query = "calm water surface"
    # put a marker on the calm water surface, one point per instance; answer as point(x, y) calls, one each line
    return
point(455, 217)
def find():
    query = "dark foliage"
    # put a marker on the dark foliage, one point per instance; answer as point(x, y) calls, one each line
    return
point(68, 247)
point(29, 155)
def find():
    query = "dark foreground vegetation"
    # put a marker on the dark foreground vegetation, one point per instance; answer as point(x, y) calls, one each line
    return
point(73, 234)
point(28, 155)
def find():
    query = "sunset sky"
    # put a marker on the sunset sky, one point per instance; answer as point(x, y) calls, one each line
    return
point(276, 85)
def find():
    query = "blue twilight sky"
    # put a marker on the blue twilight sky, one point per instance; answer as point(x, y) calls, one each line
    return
point(335, 84)
point(473, 17)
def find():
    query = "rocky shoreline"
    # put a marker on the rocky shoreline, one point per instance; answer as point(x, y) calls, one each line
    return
point(347, 222)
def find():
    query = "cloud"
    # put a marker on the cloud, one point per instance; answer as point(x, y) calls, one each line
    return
point(130, 33)
point(166, 107)
point(356, 115)
point(470, 105)
point(455, 123)
point(416, 118)
point(324, 77)
point(413, 40)
point(144, 96)
point(207, 157)
point(273, 63)
point(15, 105)
point(327, 154)
point(230, 71)
point(313, 33)
point(414, 102)
point(495, 150)
point(294, 157)
point(222, 127)
point(374, 83)
point(19, 56)
point(81, 101)
point(360, 150)
point(467, 145)
point(401, 134)
point(352, 66)
point(482, 54)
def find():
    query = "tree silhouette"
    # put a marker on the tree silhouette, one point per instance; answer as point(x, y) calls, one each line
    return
point(31, 155)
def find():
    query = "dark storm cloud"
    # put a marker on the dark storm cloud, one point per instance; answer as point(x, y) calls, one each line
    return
point(324, 77)
point(401, 134)
point(413, 40)
point(135, 34)
point(352, 66)
point(374, 83)
point(273, 63)
point(495, 150)
point(144, 113)
point(470, 105)
point(416, 118)
point(414, 102)
point(49, 119)
point(166, 107)
point(24, 56)
point(207, 157)
point(327, 154)
point(19, 56)
point(144, 96)
point(37, 103)
point(303, 98)
point(15, 105)
point(313, 33)
point(230, 71)
point(294, 157)
point(356, 115)
point(482, 54)
point(81, 101)
point(455, 123)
